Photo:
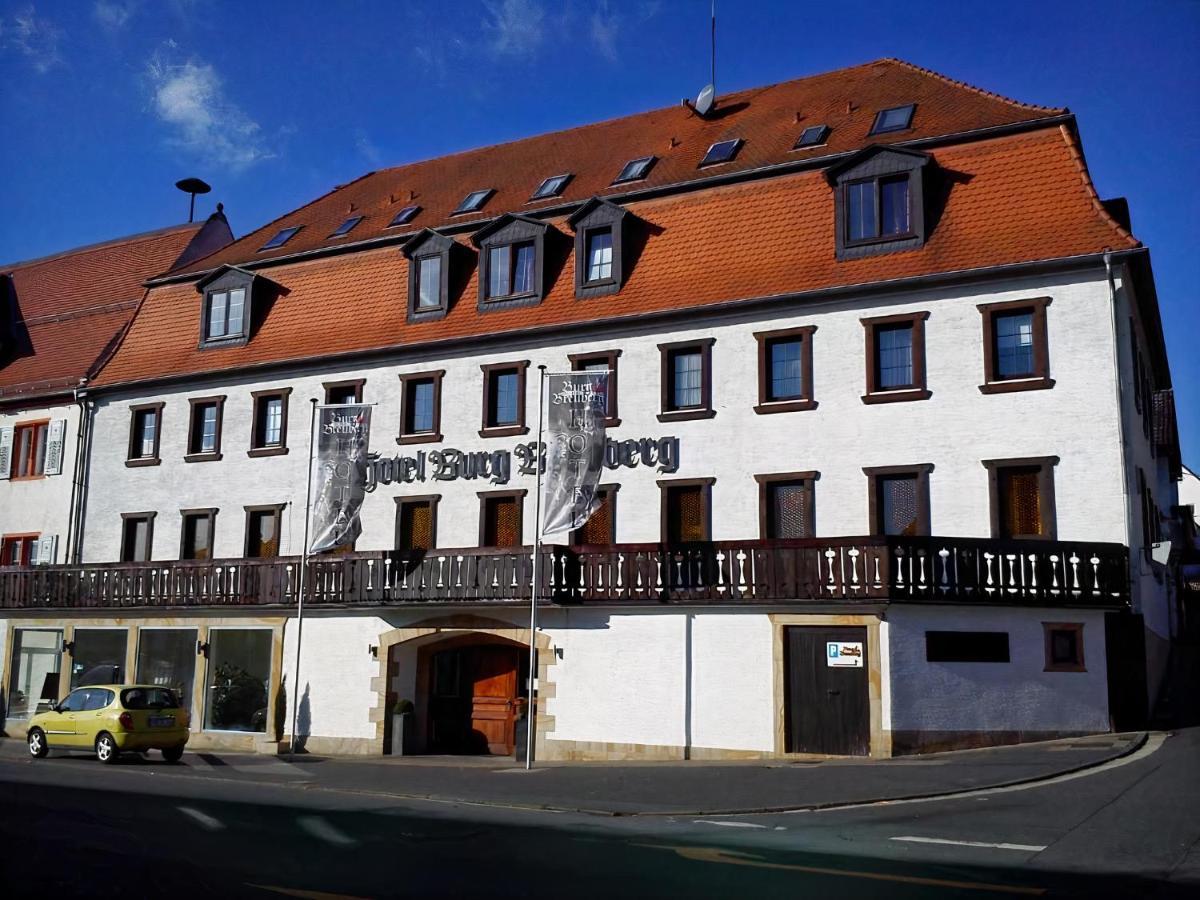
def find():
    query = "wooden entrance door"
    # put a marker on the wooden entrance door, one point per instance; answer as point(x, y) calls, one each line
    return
point(826, 704)
point(474, 699)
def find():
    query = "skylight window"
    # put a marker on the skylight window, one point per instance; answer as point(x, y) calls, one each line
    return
point(281, 238)
point(551, 187)
point(347, 226)
point(473, 201)
point(635, 169)
point(405, 216)
point(721, 152)
point(898, 118)
point(812, 136)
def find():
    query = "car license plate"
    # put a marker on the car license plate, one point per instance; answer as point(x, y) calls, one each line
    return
point(162, 721)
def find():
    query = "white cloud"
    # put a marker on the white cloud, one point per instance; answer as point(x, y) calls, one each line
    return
point(190, 98)
point(604, 26)
point(34, 38)
point(514, 27)
point(367, 148)
point(114, 14)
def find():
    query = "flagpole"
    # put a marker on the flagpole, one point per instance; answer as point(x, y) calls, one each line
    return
point(537, 568)
point(303, 570)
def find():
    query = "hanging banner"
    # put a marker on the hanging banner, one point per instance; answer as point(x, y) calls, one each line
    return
point(339, 475)
point(578, 404)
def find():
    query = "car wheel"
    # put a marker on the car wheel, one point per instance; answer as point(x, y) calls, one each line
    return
point(37, 743)
point(172, 754)
point(106, 749)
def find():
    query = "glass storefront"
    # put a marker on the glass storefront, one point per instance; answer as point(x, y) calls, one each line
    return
point(239, 679)
point(98, 656)
point(167, 657)
point(33, 677)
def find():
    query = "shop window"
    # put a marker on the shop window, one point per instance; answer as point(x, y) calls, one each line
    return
point(33, 671)
point(1064, 646)
point(686, 510)
point(167, 657)
point(98, 656)
point(416, 523)
point(500, 515)
point(137, 536)
point(239, 679)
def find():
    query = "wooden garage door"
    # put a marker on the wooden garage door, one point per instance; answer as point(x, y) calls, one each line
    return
point(825, 684)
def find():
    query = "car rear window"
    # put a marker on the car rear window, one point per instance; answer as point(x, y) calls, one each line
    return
point(149, 698)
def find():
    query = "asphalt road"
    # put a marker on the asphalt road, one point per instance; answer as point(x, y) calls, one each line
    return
point(69, 827)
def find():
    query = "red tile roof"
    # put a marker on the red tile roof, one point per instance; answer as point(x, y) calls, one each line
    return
point(769, 119)
point(71, 306)
point(1013, 199)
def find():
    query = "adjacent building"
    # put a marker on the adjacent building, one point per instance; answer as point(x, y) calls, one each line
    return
point(891, 457)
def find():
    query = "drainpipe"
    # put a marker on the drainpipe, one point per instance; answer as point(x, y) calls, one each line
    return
point(1112, 311)
point(83, 449)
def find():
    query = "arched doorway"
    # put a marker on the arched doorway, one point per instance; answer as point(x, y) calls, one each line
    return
point(476, 692)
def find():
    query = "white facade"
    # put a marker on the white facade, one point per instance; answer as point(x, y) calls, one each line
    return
point(41, 505)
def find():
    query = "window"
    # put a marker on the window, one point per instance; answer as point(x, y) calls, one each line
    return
point(686, 380)
point(721, 152)
point(600, 231)
point(473, 202)
point(1064, 646)
point(812, 136)
point(263, 527)
point(144, 426)
point(598, 362)
point(416, 522)
point(18, 549)
point(635, 169)
point(196, 537)
point(429, 282)
point(33, 671)
point(226, 315)
point(511, 255)
point(896, 358)
point(1022, 497)
point(500, 518)
point(404, 216)
point(898, 499)
point(237, 696)
point(966, 646)
point(29, 450)
point(98, 656)
point(204, 428)
point(601, 528)
point(897, 118)
point(421, 407)
point(137, 536)
point(880, 201)
point(877, 208)
point(686, 510)
point(785, 370)
point(269, 434)
point(344, 391)
point(1151, 523)
point(281, 237)
point(599, 255)
point(551, 187)
point(167, 657)
point(504, 399)
point(785, 505)
point(1015, 353)
point(346, 227)
point(511, 270)
point(430, 258)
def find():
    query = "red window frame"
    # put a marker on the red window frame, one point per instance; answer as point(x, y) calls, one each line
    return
point(27, 543)
point(41, 435)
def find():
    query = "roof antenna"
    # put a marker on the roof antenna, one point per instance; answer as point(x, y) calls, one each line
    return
point(704, 100)
point(713, 58)
point(193, 186)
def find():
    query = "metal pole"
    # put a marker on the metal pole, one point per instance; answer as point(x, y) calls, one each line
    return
point(537, 569)
point(303, 570)
point(713, 71)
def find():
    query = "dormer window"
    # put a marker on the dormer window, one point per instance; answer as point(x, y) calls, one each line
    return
point(878, 208)
point(600, 231)
point(880, 204)
point(347, 226)
point(473, 202)
point(431, 263)
point(635, 169)
point(551, 187)
point(721, 152)
point(226, 314)
point(511, 261)
point(897, 118)
point(812, 136)
point(404, 216)
point(510, 269)
point(226, 310)
point(281, 237)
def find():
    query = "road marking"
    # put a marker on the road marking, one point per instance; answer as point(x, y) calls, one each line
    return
point(319, 828)
point(913, 839)
point(737, 858)
point(727, 824)
point(204, 820)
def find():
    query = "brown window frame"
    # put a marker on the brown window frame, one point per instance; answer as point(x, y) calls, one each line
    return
point(921, 472)
point(609, 492)
point(199, 455)
point(490, 370)
point(665, 485)
point(131, 460)
point(148, 517)
point(277, 509)
point(414, 500)
point(356, 383)
point(259, 397)
point(27, 540)
point(421, 437)
point(609, 357)
point(792, 404)
point(1079, 664)
point(1045, 494)
point(669, 413)
point(1040, 380)
point(918, 389)
point(485, 497)
point(766, 482)
point(209, 513)
point(39, 427)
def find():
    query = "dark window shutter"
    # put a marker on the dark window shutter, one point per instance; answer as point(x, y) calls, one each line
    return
point(1020, 494)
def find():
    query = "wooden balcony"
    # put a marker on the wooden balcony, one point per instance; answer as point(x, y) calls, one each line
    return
point(811, 571)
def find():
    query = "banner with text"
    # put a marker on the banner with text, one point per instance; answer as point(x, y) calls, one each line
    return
point(578, 404)
point(339, 475)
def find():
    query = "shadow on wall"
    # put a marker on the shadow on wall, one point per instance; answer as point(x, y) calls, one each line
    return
point(304, 719)
point(281, 709)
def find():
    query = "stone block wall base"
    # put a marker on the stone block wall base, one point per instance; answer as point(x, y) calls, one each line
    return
point(905, 743)
point(607, 751)
point(322, 745)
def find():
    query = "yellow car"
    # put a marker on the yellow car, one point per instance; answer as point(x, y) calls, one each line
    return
point(110, 718)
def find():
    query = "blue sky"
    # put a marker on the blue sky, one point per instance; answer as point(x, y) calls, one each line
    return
point(106, 103)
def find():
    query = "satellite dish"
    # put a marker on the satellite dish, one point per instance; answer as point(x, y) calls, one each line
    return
point(193, 186)
point(704, 101)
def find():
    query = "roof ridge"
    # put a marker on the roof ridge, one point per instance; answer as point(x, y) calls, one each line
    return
point(99, 310)
point(101, 245)
point(1089, 186)
point(968, 86)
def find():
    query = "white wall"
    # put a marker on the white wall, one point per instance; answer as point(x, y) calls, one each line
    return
point(41, 505)
point(1013, 696)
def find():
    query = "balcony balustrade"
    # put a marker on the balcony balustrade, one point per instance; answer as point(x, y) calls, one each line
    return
point(810, 571)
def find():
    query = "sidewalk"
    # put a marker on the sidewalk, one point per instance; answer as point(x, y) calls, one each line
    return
point(664, 788)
